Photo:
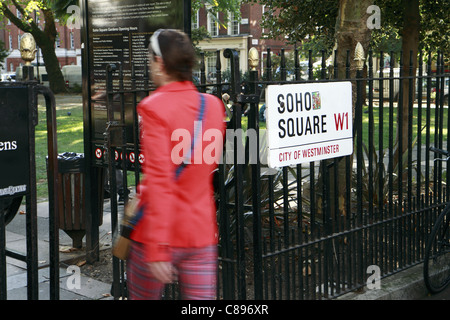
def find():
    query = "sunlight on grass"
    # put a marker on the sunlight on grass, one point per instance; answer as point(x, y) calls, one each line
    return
point(386, 126)
point(69, 126)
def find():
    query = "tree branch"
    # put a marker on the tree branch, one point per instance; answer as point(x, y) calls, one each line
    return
point(12, 17)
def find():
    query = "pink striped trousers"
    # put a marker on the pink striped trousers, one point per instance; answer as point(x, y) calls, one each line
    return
point(197, 274)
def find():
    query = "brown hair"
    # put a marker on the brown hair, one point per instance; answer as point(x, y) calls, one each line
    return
point(177, 53)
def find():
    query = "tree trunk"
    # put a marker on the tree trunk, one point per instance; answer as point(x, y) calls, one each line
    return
point(46, 41)
point(351, 28)
point(410, 44)
point(55, 76)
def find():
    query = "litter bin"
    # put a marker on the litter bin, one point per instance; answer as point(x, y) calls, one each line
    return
point(71, 194)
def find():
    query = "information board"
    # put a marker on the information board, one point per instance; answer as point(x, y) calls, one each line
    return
point(308, 122)
point(118, 32)
point(14, 141)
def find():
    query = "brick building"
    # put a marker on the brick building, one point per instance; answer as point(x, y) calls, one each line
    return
point(68, 46)
point(240, 36)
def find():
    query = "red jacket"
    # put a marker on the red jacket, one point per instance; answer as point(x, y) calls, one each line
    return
point(178, 213)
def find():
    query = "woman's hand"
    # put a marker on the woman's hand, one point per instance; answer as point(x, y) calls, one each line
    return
point(163, 271)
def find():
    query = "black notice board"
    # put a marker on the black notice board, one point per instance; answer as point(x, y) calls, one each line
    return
point(14, 141)
point(118, 32)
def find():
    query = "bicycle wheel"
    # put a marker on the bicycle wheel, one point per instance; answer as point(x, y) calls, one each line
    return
point(437, 254)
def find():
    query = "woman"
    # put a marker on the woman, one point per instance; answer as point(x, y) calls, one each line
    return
point(176, 238)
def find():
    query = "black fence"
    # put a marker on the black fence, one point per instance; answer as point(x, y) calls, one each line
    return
point(319, 230)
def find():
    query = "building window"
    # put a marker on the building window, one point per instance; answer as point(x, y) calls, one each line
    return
point(58, 41)
point(233, 25)
point(264, 10)
point(194, 20)
point(213, 25)
point(72, 41)
point(211, 62)
point(263, 60)
point(10, 42)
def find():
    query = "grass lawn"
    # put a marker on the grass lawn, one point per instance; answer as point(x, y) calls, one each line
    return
point(69, 119)
point(415, 122)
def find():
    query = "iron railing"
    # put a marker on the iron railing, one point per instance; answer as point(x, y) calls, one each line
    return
point(320, 230)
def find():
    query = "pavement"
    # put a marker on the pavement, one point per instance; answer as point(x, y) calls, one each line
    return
point(405, 285)
point(71, 288)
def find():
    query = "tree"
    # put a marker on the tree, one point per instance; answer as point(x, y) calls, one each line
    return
point(341, 24)
point(45, 38)
point(422, 25)
point(417, 24)
point(3, 53)
point(298, 20)
point(351, 29)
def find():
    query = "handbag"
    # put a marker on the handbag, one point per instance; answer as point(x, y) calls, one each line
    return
point(131, 216)
point(133, 213)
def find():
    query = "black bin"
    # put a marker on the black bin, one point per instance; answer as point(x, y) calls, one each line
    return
point(71, 194)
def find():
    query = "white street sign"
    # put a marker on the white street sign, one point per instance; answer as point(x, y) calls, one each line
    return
point(308, 122)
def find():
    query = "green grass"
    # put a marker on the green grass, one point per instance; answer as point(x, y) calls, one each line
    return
point(386, 127)
point(69, 135)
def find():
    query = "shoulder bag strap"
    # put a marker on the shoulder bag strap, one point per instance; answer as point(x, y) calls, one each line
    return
point(197, 132)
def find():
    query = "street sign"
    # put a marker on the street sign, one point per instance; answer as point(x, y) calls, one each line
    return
point(308, 122)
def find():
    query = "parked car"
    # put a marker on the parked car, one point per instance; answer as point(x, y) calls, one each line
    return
point(10, 76)
point(396, 85)
point(386, 83)
point(433, 88)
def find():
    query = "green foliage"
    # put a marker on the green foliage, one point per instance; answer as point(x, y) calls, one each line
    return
point(386, 39)
point(300, 20)
point(198, 35)
point(216, 6)
point(3, 53)
point(434, 22)
point(313, 22)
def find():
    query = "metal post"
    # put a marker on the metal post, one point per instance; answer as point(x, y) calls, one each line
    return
point(110, 68)
point(238, 173)
point(187, 17)
point(3, 287)
point(359, 58)
point(52, 178)
point(31, 209)
point(256, 174)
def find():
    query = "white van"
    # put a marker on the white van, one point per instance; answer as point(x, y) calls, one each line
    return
point(386, 83)
point(11, 77)
point(72, 75)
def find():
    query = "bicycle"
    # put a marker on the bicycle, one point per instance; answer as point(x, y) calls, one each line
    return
point(436, 269)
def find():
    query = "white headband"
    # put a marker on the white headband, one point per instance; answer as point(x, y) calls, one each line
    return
point(154, 42)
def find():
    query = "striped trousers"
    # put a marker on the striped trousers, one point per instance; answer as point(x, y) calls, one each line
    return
point(197, 273)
